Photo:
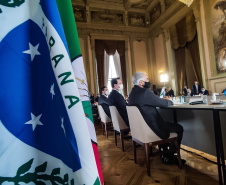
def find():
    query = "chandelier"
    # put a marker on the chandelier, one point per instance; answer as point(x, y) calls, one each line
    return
point(187, 2)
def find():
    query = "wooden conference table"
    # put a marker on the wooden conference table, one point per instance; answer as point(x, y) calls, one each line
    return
point(203, 125)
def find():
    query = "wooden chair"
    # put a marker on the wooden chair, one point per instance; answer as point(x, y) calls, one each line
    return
point(143, 135)
point(104, 119)
point(120, 128)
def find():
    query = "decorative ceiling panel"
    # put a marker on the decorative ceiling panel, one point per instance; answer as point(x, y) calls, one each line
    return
point(106, 16)
point(136, 20)
point(155, 13)
point(110, 1)
point(143, 5)
point(79, 13)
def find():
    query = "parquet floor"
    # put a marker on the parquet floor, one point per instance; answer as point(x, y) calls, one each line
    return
point(118, 167)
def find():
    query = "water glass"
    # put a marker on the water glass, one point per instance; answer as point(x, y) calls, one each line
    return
point(205, 99)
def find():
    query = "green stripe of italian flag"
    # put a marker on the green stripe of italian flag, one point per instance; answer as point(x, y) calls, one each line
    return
point(70, 30)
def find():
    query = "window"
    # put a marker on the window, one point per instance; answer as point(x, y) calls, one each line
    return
point(112, 72)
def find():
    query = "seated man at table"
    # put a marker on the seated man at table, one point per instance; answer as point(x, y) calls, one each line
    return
point(146, 101)
point(170, 92)
point(204, 91)
point(103, 100)
point(185, 90)
point(116, 99)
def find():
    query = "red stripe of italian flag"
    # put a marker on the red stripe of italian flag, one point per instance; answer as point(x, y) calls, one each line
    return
point(70, 30)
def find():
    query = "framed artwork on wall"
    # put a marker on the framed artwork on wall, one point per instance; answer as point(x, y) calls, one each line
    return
point(218, 21)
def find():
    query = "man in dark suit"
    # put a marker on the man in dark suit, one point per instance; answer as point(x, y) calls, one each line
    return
point(170, 92)
point(196, 88)
point(204, 91)
point(103, 100)
point(142, 97)
point(116, 99)
point(185, 91)
point(92, 98)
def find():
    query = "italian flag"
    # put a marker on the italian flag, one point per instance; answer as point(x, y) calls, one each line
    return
point(162, 94)
point(70, 30)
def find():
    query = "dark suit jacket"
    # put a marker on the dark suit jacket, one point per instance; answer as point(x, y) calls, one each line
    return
point(92, 99)
point(185, 92)
point(147, 102)
point(205, 92)
point(103, 101)
point(195, 90)
point(170, 93)
point(117, 100)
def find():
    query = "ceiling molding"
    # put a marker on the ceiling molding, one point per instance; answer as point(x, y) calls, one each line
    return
point(177, 17)
point(108, 37)
point(153, 4)
point(165, 16)
point(98, 16)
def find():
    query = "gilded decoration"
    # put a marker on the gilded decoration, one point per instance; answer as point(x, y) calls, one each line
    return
point(79, 14)
point(107, 17)
point(168, 3)
point(218, 16)
point(155, 13)
point(114, 1)
point(143, 5)
point(136, 20)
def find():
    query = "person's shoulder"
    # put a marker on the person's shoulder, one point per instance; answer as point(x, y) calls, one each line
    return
point(112, 94)
point(138, 90)
point(147, 90)
point(102, 96)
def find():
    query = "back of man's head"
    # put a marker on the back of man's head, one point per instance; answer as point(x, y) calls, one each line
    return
point(139, 76)
point(114, 81)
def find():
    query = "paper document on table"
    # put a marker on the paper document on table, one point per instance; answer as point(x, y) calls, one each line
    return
point(195, 99)
point(177, 103)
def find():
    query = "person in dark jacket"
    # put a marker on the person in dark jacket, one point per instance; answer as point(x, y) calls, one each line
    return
point(196, 88)
point(103, 100)
point(185, 91)
point(204, 91)
point(170, 92)
point(92, 98)
point(146, 101)
point(116, 99)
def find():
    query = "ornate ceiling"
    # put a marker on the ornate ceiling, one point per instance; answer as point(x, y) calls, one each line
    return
point(124, 15)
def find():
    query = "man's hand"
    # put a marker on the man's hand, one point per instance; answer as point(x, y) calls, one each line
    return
point(166, 98)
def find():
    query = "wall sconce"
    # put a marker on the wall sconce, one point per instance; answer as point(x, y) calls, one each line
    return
point(164, 78)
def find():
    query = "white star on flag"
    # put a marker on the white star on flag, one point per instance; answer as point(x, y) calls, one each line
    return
point(52, 90)
point(34, 121)
point(62, 125)
point(32, 51)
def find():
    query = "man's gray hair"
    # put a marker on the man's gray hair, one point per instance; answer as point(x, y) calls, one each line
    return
point(139, 76)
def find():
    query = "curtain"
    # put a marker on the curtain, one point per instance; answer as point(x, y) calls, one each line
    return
point(121, 50)
point(99, 50)
point(106, 65)
point(110, 46)
point(190, 76)
point(116, 59)
point(180, 68)
point(182, 32)
point(184, 41)
point(193, 47)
